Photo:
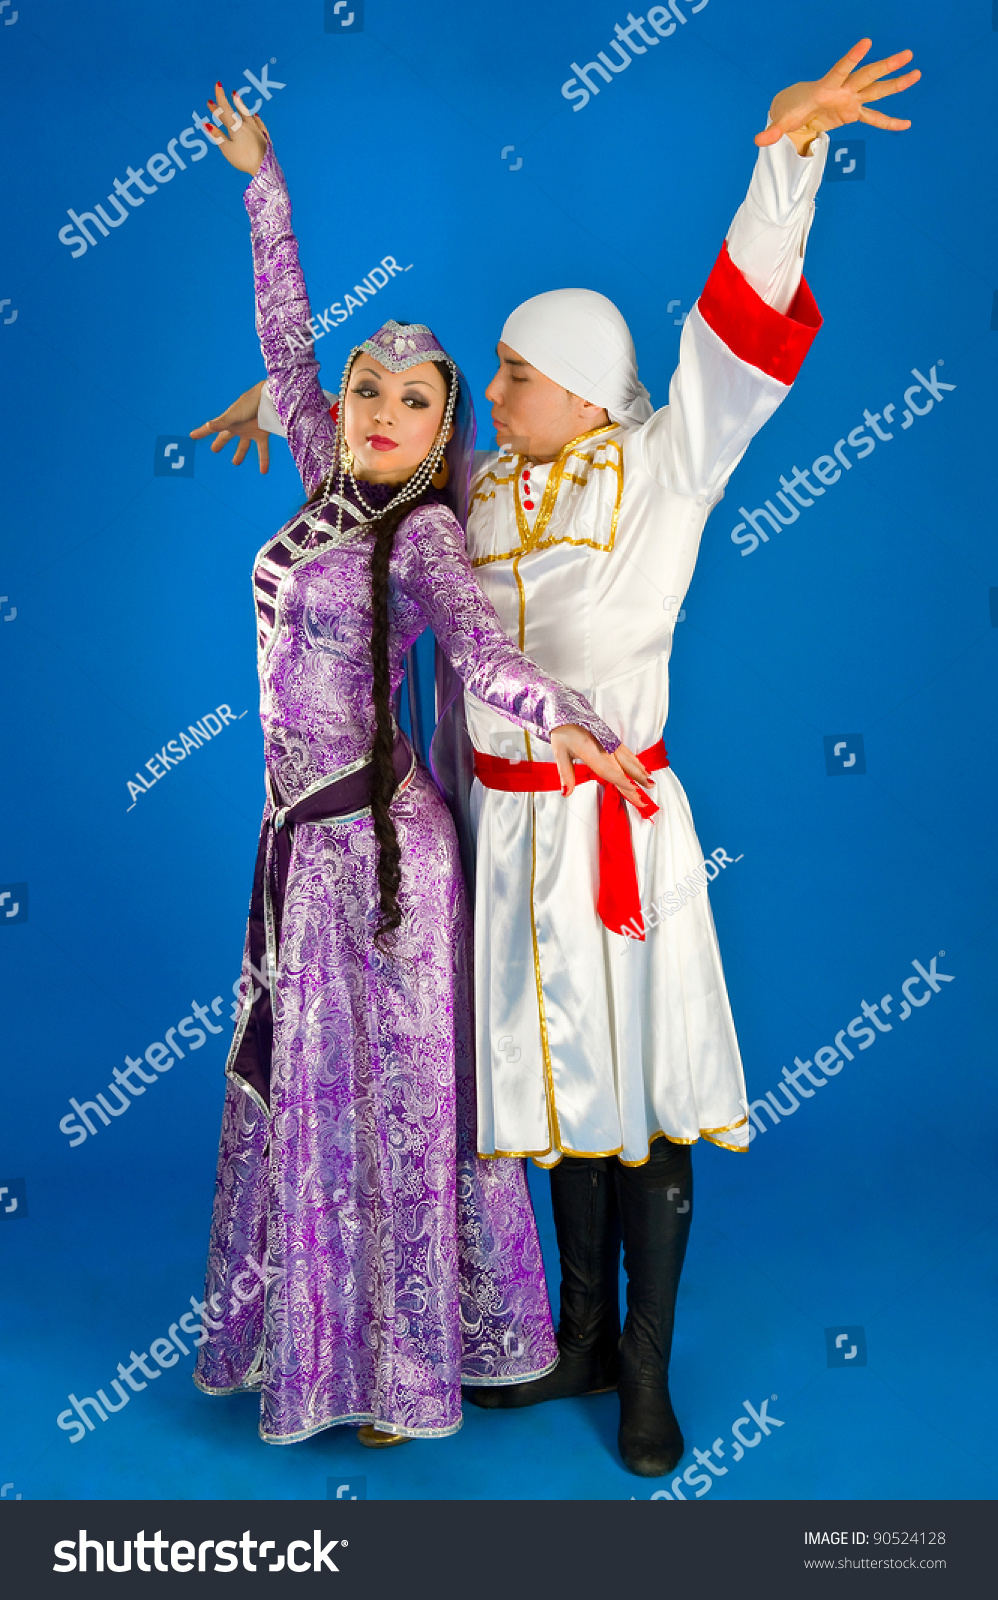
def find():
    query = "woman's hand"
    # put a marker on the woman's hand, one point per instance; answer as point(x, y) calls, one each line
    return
point(239, 422)
point(244, 140)
point(807, 109)
point(572, 743)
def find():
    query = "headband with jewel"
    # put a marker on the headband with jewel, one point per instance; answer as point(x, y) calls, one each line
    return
point(397, 346)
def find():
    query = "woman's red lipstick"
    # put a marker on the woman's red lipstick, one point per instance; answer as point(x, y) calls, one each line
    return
point(377, 441)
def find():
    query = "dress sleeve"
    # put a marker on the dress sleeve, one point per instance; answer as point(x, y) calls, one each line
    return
point(282, 315)
point(266, 415)
point(435, 572)
point(746, 338)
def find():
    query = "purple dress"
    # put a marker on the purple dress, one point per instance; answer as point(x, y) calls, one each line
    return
point(363, 1259)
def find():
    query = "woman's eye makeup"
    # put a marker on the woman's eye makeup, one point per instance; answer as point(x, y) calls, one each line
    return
point(367, 391)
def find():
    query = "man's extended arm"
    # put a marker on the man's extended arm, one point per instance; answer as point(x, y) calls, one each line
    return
point(745, 339)
point(769, 232)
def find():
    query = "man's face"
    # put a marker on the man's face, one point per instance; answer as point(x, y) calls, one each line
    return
point(532, 414)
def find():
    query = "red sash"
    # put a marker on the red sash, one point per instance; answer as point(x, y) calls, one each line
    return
point(619, 900)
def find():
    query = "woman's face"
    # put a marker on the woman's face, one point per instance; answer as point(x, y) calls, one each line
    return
point(392, 419)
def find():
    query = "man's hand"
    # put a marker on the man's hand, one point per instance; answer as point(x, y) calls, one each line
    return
point(239, 422)
point(807, 109)
point(572, 743)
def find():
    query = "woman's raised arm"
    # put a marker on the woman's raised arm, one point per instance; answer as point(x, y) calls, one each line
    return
point(282, 308)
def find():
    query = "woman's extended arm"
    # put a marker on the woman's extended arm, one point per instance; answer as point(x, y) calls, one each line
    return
point(282, 308)
point(436, 573)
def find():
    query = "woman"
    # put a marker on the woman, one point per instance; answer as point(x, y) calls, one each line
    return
point(396, 1262)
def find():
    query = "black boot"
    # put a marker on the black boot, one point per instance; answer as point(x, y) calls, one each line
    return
point(656, 1207)
point(584, 1198)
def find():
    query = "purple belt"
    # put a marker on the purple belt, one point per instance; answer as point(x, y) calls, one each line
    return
point(338, 798)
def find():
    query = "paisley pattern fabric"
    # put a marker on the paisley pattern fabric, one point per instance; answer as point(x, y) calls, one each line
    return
point(363, 1259)
point(316, 704)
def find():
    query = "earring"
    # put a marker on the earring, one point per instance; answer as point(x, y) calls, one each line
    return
point(441, 477)
point(347, 457)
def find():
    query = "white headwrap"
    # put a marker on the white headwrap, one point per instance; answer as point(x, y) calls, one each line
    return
point(579, 339)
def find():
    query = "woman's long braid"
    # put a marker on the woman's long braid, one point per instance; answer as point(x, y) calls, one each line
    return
point(384, 526)
point(383, 780)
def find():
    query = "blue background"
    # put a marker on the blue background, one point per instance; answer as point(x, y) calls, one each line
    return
point(874, 1206)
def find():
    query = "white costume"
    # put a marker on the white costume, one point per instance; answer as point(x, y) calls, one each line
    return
point(591, 1043)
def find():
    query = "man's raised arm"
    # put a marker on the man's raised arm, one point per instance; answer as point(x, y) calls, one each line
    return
point(745, 340)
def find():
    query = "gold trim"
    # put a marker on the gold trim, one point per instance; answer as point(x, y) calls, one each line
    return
point(556, 1143)
point(659, 1135)
point(478, 495)
point(554, 1130)
point(739, 1149)
point(534, 1155)
point(508, 1155)
point(599, 1155)
point(529, 542)
point(588, 1155)
point(705, 1133)
point(522, 594)
point(532, 539)
point(729, 1127)
point(505, 555)
point(528, 535)
point(593, 433)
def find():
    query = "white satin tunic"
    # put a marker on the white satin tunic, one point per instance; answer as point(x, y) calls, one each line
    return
point(591, 1043)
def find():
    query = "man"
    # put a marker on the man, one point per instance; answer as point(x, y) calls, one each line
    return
point(606, 1046)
